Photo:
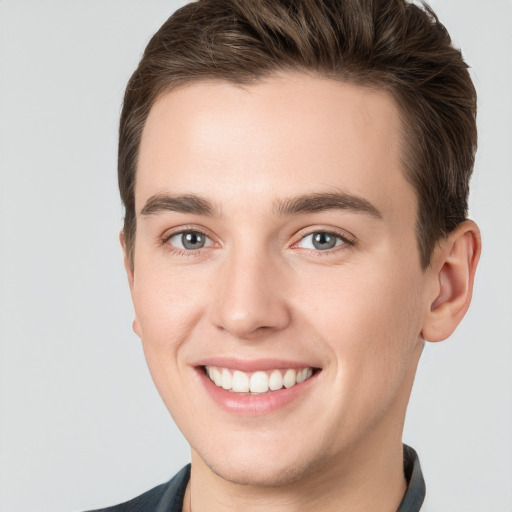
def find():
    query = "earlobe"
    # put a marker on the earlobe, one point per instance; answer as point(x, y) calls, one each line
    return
point(136, 327)
point(453, 269)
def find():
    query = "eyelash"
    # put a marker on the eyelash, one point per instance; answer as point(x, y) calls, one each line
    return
point(346, 241)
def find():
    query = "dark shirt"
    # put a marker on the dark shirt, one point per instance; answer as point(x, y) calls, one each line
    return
point(168, 497)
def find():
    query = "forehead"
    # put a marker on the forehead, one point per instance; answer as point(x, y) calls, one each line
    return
point(288, 134)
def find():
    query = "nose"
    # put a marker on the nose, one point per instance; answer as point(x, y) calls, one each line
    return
point(251, 300)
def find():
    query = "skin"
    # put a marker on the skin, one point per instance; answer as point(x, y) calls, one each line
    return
point(260, 289)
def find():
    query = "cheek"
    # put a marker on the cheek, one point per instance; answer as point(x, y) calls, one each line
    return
point(167, 306)
point(370, 322)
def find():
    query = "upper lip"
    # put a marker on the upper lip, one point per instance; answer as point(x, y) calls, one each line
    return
point(252, 365)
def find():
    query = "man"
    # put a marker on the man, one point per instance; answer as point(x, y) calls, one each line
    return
point(295, 176)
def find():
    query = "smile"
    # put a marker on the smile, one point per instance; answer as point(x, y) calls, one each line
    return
point(259, 382)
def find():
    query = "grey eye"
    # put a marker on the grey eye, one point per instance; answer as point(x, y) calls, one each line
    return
point(193, 240)
point(321, 241)
point(189, 240)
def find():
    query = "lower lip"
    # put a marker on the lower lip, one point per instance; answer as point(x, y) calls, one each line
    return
point(255, 405)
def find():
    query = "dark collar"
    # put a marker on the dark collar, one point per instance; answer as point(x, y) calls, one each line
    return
point(415, 493)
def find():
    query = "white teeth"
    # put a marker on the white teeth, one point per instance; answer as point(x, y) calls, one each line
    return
point(240, 382)
point(290, 378)
point(217, 377)
point(227, 379)
point(257, 382)
point(275, 381)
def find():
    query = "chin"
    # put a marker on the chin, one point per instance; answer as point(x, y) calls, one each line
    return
point(259, 475)
point(262, 468)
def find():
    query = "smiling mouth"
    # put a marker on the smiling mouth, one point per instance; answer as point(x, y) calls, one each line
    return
point(259, 382)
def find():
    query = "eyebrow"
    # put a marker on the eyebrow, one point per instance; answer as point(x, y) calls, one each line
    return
point(189, 203)
point(318, 202)
point(303, 204)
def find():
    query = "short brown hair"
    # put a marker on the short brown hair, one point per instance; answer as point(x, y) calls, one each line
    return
point(391, 44)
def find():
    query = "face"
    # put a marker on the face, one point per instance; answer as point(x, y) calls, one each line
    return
point(276, 255)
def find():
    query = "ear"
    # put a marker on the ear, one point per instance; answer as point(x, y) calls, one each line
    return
point(128, 266)
point(452, 269)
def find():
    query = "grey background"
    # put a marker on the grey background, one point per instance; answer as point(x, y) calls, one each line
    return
point(81, 424)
